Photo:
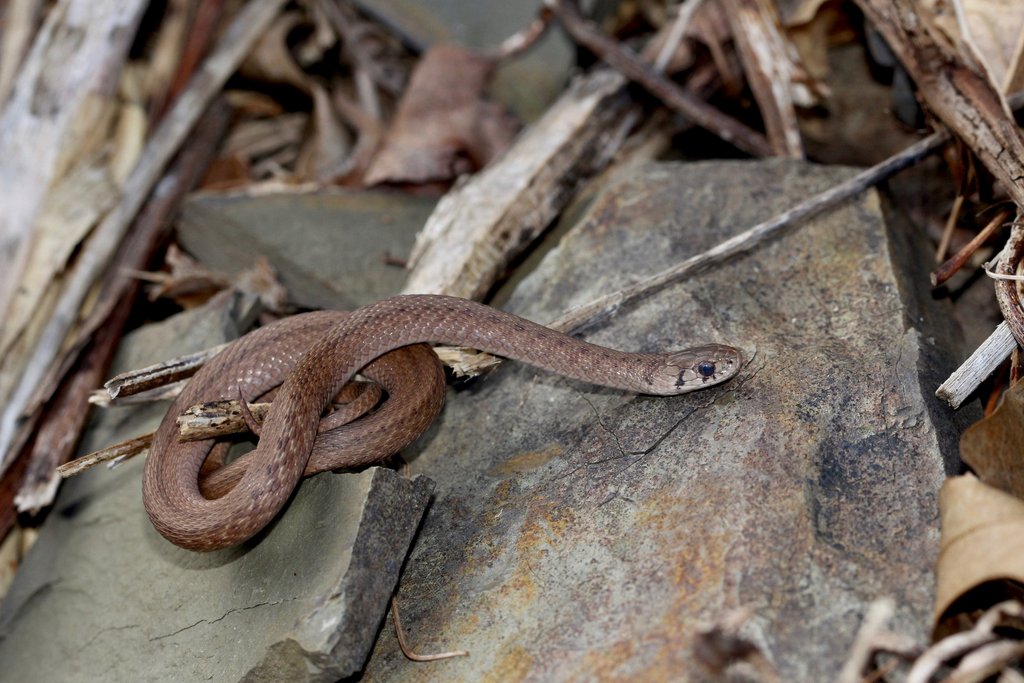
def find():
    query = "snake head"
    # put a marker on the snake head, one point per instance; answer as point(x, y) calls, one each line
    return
point(702, 366)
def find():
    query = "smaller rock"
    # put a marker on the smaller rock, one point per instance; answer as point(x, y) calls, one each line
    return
point(102, 596)
point(328, 248)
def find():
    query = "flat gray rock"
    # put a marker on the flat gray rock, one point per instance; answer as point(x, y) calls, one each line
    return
point(329, 248)
point(102, 597)
point(582, 533)
point(577, 533)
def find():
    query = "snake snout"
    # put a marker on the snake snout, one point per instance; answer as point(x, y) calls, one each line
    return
point(703, 366)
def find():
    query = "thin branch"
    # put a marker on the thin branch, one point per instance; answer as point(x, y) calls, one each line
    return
point(123, 450)
point(635, 69)
point(524, 39)
point(876, 621)
point(1006, 288)
point(985, 360)
point(959, 644)
point(603, 307)
point(947, 234)
point(160, 374)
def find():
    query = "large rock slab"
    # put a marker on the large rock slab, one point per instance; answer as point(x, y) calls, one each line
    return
point(580, 533)
point(102, 596)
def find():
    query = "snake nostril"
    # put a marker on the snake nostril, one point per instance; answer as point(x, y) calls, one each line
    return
point(706, 368)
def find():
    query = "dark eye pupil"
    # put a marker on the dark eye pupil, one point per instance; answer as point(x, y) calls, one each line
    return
point(706, 368)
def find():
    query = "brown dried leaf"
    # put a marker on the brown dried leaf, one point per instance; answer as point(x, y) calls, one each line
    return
point(261, 281)
point(187, 282)
point(993, 447)
point(442, 123)
point(980, 561)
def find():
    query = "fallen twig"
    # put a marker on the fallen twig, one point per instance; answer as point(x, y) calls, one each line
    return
point(219, 418)
point(1006, 288)
point(955, 262)
point(123, 450)
point(684, 13)
point(954, 87)
point(601, 308)
point(721, 644)
point(873, 637)
point(959, 386)
point(160, 374)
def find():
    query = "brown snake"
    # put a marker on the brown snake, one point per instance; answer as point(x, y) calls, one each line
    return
point(290, 445)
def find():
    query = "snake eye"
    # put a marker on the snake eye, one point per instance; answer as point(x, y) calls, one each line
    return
point(706, 368)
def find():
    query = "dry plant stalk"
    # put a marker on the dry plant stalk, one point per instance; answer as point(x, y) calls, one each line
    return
point(137, 381)
point(403, 644)
point(219, 418)
point(954, 263)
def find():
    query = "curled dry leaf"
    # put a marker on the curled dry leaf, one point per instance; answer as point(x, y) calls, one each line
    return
point(271, 60)
point(995, 31)
point(443, 121)
point(330, 144)
point(993, 446)
point(981, 561)
point(261, 280)
point(189, 282)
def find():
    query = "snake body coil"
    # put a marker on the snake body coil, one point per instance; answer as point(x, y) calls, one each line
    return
point(346, 344)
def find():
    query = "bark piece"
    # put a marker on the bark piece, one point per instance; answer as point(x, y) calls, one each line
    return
point(955, 87)
point(480, 226)
point(39, 378)
point(70, 71)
